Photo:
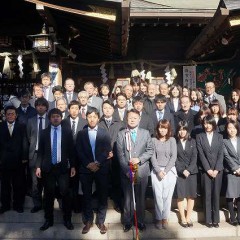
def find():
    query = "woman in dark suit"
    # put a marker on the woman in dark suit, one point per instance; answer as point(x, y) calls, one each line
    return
point(187, 169)
point(210, 149)
point(232, 167)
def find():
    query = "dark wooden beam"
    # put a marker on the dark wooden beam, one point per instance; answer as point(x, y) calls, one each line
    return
point(208, 34)
point(125, 26)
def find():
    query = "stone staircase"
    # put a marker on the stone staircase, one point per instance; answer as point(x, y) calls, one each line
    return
point(26, 226)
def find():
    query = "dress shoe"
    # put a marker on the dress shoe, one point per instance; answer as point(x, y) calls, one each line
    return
point(127, 227)
point(158, 224)
point(102, 227)
point(164, 223)
point(184, 224)
point(87, 227)
point(216, 225)
point(209, 225)
point(46, 225)
point(190, 224)
point(68, 224)
point(233, 223)
point(3, 210)
point(18, 209)
point(36, 209)
point(141, 227)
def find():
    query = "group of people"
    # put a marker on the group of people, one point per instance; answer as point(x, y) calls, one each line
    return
point(65, 141)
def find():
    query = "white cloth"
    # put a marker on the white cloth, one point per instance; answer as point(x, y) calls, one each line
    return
point(175, 104)
point(183, 144)
point(234, 143)
point(210, 137)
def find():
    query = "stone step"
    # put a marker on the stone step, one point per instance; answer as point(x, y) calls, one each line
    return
point(115, 232)
point(112, 216)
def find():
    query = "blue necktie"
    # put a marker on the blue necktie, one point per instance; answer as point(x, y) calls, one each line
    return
point(54, 147)
point(133, 135)
point(160, 115)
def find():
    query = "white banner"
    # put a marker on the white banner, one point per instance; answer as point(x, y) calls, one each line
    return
point(189, 76)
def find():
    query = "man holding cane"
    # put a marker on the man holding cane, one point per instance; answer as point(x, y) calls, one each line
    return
point(134, 146)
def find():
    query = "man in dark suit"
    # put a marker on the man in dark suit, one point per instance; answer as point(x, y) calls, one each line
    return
point(186, 113)
point(69, 86)
point(162, 113)
point(47, 86)
point(54, 162)
point(93, 147)
point(25, 110)
point(61, 104)
point(93, 101)
point(138, 153)
point(83, 100)
point(145, 121)
point(149, 104)
point(75, 123)
point(113, 126)
point(13, 153)
point(34, 127)
point(37, 93)
point(120, 111)
point(57, 93)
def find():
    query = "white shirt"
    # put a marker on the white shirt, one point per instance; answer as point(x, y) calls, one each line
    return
point(59, 138)
point(158, 114)
point(121, 112)
point(234, 143)
point(175, 104)
point(216, 119)
point(85, 109)
point(12, 124)
point(183, 142)
point(210, 137)
point(46, 92)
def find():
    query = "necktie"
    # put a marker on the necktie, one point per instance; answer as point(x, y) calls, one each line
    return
point(54, 147)
point(24, 110)
point(10, 125)
point(40, 124)
point(160, 115)
point(133, 135)
point(121, 112)
point(73, 128)
point(83, 113)
point(69, 97)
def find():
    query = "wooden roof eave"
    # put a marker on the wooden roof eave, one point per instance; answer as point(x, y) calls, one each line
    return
point(213, 29)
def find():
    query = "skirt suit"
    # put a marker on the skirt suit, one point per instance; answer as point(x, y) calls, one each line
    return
point(186, 160)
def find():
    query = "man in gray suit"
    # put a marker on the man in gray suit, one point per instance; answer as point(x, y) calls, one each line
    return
point(47, 86)
point(34, 127)
point(139, 153)
point(93, 101)
point(212, 95)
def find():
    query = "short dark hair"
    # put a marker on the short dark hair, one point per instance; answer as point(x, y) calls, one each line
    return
point(133, 111)
point(57, 88)
point(121, 94)
point(104, 85)
point(41, 101)
point(24, 92)
point(10, 108)
point(135, 81)
point(93, 110)
point(46, 74)
point(164, 123)
point(74, 102)
point(210, 120)
point(137, 99)
point(235, 124)
point(108, 102)
point(183, 125)
point(160, 98)
point(54, 111)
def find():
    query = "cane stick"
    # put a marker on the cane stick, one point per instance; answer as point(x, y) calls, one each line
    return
point(132, 171)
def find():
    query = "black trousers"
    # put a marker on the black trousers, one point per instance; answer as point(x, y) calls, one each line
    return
point(101, 181)
point(12, 181)
point(211, 190)
point(140, 191)
point(50, 179)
